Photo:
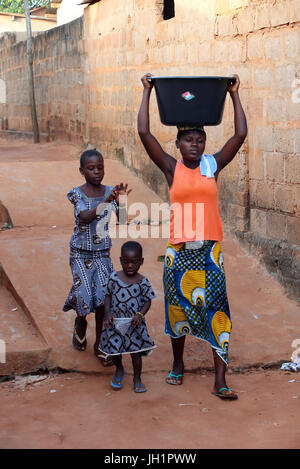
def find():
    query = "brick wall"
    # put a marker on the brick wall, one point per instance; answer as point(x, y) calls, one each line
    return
point(59, 71)
point(259, 40)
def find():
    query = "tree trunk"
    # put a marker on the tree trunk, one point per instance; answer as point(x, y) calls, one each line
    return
point(35, 126)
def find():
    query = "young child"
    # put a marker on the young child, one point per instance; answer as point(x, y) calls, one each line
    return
point(89, 253)
point(128, 298)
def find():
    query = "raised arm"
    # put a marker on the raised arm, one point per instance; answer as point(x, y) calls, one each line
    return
point(163, 160)
point(87, 216)
point(232, 146)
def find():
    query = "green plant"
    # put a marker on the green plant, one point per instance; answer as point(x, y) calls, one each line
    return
point(17, 6)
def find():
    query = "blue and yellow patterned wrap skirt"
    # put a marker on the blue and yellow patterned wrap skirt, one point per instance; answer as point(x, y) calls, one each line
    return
point(195, 295)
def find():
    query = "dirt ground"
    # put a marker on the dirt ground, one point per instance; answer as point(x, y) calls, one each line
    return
point(82, 411)
point(78, 408)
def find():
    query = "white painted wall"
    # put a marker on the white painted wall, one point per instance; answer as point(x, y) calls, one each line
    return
point(69, 11)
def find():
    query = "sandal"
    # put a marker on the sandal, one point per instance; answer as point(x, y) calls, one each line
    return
point(228, 394)
point(77, 342)
point(140, 388)
point(117, 383)
point(105, 361)
point(174, 379)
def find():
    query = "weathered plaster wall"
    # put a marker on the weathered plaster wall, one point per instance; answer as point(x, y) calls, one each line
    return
point(17, 22)
point(59, 71)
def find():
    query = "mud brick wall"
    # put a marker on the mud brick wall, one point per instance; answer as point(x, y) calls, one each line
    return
point(88, 90)
point(59, 71)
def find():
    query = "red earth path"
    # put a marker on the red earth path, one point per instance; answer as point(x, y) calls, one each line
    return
point(78, 408)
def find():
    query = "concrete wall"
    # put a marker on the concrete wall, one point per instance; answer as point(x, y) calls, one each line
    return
point(59, 70)
point(258, 39)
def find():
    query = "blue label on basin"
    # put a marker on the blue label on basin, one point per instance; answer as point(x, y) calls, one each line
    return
point(187, 96)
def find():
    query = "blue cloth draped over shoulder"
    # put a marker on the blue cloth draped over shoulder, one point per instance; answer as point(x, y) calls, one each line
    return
point(208, 165)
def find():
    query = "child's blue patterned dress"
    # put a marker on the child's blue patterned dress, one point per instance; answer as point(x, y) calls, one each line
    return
point(126, 301)
point(89, 254)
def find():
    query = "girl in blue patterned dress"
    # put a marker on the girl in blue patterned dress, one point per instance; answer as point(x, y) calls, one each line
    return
point(90, 260)
point(128, 298)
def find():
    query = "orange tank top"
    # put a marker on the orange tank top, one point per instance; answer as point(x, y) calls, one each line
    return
point(194, 206)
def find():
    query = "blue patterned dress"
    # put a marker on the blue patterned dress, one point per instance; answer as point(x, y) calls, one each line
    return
point(126, 301)
point(90, 261)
